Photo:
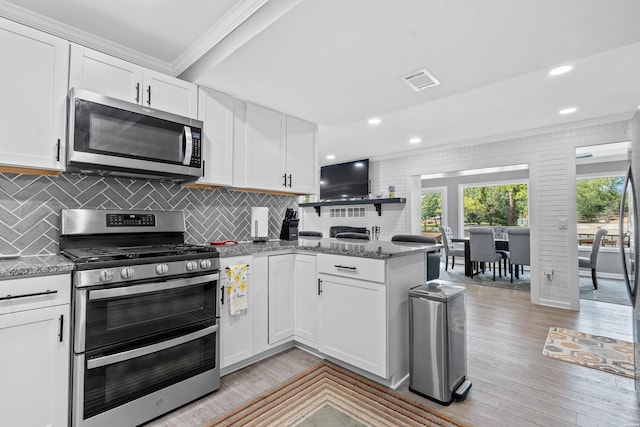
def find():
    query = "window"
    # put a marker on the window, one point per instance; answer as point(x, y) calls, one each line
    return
point(598, 206)
point(433, 210)
point(498, 204)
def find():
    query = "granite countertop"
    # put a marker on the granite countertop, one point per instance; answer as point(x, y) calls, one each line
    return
point(34, 266)
point(381, 249)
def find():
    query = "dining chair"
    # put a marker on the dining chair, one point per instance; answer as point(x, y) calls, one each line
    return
point(433, 258)
point(449, 248)
point(482, 248)
point(591, 260)
point(519, 248)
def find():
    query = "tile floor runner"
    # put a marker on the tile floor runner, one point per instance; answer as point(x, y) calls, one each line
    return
point(593, 351)
point(330, 395)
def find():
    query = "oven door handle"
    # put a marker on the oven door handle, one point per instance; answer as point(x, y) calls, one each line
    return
point(111, 359)
point(126, 291)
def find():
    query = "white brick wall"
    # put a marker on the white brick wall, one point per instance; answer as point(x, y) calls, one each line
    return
point(551, 159)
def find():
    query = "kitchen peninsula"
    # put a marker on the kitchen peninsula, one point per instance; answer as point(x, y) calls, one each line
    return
point(340, 298)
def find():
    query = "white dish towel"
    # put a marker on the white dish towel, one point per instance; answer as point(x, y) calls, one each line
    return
point(237, 289)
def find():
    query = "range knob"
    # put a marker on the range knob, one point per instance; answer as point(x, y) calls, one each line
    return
point(105, 276)
point(162, 268)
point(192, 265)
point(127, 273)
point(205, 263)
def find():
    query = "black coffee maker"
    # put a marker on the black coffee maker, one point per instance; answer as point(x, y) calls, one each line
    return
point(289, 225)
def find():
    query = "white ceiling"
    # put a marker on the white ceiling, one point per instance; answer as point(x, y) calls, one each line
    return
point(337, 63)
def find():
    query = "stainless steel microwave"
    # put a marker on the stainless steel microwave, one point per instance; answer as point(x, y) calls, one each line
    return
point(109, 136)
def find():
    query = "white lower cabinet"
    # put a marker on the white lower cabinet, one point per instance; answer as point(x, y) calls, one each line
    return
point(281, 282)
point(353, 322)
point(306, 298)
point(34, 351)
point(236, 332)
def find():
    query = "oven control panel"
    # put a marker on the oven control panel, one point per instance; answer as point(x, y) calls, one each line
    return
point(131, 220)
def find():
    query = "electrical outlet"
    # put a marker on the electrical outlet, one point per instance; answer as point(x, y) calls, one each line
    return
point(548, 275)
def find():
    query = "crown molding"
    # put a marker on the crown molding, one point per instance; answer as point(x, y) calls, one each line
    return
point(253, 24)
point(235, 17)
point(75, 35)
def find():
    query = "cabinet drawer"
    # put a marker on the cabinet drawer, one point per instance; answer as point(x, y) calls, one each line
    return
point(34, 292)
point(350, 266)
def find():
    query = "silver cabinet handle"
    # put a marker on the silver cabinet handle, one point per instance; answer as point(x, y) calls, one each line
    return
point(319, 286)
point(154, 348)
point(152, 287)
point(138, 92)
point(346, 267)
point(37, 294)
point(149, 97)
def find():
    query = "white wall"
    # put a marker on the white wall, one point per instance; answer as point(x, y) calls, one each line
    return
point(551, 159)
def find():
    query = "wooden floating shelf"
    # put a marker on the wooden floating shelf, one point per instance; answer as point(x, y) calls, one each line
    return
point(377, 203)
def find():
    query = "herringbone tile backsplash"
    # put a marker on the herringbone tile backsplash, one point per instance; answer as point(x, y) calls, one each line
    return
point(30, 208)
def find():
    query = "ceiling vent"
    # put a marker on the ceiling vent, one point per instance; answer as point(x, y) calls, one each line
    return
point(420, 79)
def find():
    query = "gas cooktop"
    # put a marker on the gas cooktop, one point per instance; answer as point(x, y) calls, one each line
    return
point(91, 255)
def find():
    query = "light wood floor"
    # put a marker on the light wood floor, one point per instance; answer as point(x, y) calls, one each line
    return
point(513, 383)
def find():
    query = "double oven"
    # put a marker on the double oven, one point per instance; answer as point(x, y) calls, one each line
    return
point(145, 309)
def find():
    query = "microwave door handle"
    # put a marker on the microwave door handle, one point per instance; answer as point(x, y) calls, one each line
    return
point(154, 348)
point(188, 146)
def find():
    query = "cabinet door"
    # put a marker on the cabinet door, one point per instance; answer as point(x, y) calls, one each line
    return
point(353, 325)
point(215, 109)
point(34, 367)
point(236, 332)
point(33, 84)
point(265, 154)
point(104, 74)
point(305, 291)
point(302, 164)
point(281, 269)
point(166, 93)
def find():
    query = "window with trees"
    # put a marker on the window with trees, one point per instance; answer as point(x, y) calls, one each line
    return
point(433, 203)
point(496, 205)
point(598, 206)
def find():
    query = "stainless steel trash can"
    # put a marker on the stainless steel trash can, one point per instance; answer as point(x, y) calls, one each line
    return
point(438, 341)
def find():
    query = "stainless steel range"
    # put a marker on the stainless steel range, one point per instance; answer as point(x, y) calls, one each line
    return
point(145, 306)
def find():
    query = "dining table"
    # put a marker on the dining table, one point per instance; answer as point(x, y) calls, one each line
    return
point(501, 245)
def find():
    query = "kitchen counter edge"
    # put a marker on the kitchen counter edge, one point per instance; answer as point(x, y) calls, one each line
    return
point(28, 266)
point(378, 249)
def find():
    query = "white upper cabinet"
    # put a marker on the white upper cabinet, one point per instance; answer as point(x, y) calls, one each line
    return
point(275, 152)
point(302, 164)
point(215, 109)
point(120, 79)
point(265, 158)
point(33, 84)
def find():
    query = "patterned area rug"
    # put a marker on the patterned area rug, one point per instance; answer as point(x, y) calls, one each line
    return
point(593, 351)
point(328, 395)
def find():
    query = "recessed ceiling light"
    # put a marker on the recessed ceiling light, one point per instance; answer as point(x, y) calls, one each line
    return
point(561, 70)
point(374, 121)
point(415, 140)
point(568, 110)
point(330, 157)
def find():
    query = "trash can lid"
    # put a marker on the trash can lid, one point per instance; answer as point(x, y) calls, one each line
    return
point(436, 290)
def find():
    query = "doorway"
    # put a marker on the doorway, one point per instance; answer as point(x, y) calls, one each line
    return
point(600, 173)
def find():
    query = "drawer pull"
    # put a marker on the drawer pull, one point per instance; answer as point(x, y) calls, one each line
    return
point(37, 294)
point(346, 267)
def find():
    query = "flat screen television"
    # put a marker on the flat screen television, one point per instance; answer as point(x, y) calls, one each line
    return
point(345, 181)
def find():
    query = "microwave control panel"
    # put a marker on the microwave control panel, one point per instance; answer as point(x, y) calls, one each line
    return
point(196, 155)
